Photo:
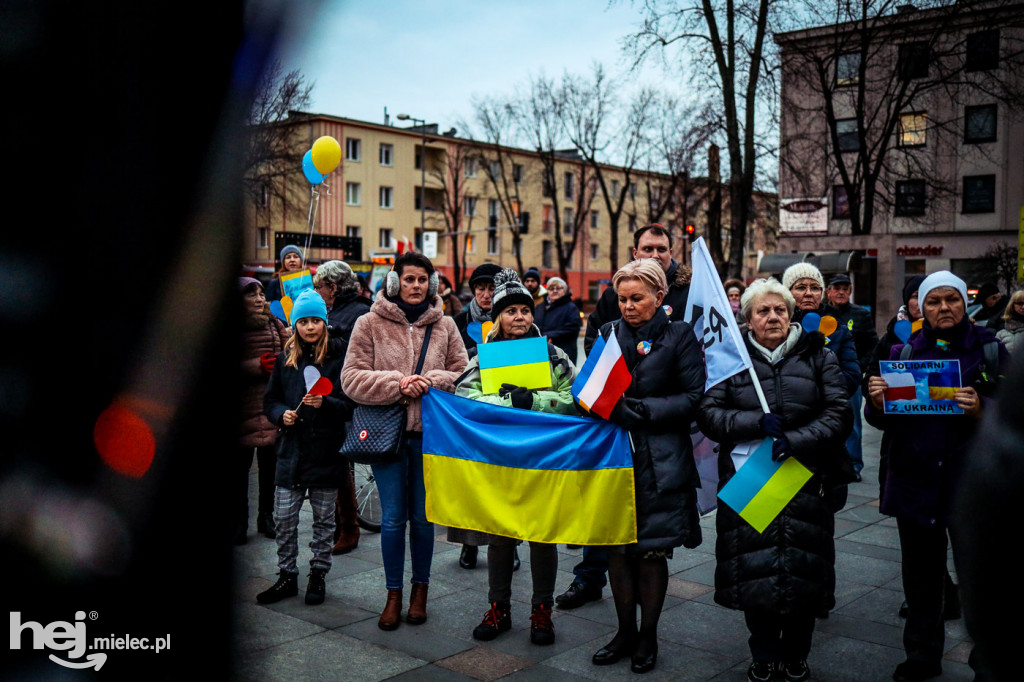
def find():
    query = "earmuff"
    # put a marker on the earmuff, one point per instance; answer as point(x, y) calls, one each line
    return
point(392, 285)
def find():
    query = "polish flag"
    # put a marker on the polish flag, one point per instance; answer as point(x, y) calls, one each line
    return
point(901, 386)
point(603, 378)
point(403, 245)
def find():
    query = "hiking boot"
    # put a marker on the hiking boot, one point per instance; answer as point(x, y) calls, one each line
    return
point(542, 631)
point(498, 619)
point(795, 672)
point(316, 589)
point(265, 525)
point(760, 671)
point(577, 595)
point(287, 585)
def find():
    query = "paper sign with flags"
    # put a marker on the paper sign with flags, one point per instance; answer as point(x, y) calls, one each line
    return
point(603, 378)
point(709, 313)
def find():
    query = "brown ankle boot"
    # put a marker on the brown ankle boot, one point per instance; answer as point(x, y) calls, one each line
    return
point(346, 517)
point(392, 611)
point(417, 605)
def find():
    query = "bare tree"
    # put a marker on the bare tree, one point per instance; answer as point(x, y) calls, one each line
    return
point(607, 140)
point(274, 150)
point(876, 95)
point(450, 174)
point(730, 50)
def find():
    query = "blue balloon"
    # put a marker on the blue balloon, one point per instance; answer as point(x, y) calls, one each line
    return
point(903, 329)
point(312, 174)
point(811, 322)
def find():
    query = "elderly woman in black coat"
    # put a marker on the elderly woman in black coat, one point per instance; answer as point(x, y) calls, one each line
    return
point(782, 577)
point(657, 408)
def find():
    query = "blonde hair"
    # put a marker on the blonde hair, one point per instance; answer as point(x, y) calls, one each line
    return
point(293, 349)
point(647, 271)
point(1010, 313)
point(763, 287)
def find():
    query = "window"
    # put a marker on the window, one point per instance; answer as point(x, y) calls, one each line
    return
point(493, 242)
point(913, 60)
point(616, 186)
point(495, 169)
point(262, 237)
point(492, 212)
point(911, 130)
point(632, 223)
point(979, 194)
point(418, 158)
point(567, 220)
point(847, 69)
point(632, 190)
point(352, 231)
point(353, 149)
point(353, 193)
point(387, 196)
point(469, 165)
point(846, 131)
point(594, 251)
point(655, 197)
point(546, 251)
point(384, 242)
point(840, 202)
point(980, 123)
point(910, 198)
point(570, 186)
point(517, 173)
point(387, 154)
point(469, 206)
point(264, 196)
point(594, 217)
point(470, 244)
point(982, 51)
point(548, 188)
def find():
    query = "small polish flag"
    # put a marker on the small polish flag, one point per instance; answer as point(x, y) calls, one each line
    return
point(603, 378)
point(901, 386)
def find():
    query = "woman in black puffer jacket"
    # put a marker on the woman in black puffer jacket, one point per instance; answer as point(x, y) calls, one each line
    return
point(657, 408)
point(782, 577)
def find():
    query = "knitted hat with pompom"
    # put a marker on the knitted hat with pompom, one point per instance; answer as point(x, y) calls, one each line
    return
point(507, 291)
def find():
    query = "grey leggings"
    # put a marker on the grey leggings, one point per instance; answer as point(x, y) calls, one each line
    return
point(543, 568)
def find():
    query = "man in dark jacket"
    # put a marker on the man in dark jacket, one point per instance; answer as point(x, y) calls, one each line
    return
point(993, 304)
point(858, 320)
point(650, 241)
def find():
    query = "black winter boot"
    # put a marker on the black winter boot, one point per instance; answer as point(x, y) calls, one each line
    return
point(287, 585)
point(316, 589)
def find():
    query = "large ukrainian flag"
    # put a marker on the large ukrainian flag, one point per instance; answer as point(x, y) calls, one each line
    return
point(527, 475)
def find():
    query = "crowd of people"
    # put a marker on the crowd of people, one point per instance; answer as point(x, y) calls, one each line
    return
point(809, 385)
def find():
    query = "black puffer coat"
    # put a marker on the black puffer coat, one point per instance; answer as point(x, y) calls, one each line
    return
point(668, 381)
point(790, 568)
point(559, 320)
point(307, 451)
point(343, 314)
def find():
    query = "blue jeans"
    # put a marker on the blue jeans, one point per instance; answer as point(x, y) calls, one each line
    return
point(853, 442)
point(403, 502)
point(592, 571)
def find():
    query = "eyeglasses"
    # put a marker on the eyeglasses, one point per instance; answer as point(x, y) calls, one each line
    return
point(802, 288)
point(555, 287)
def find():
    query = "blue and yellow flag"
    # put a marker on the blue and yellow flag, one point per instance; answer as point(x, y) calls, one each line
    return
point(762, 487)
point(527, 475)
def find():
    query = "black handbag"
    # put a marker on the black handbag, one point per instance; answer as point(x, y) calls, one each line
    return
point(375, 434)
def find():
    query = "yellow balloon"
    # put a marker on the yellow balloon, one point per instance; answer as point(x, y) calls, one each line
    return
point(916, 326)
point(286, 305)
point(828, 325)
point(326, 154)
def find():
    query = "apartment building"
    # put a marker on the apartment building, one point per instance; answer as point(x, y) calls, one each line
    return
point(902, 145)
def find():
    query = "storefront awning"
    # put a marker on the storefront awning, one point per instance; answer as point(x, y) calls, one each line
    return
point(776, 263)
point(828, 263)
point(832, 263)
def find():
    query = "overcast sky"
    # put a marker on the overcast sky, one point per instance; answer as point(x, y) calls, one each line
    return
point(427, 58)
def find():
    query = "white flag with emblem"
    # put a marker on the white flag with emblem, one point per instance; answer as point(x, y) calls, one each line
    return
point(709, 313)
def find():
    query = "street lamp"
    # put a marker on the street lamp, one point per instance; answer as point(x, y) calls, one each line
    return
point(423, 169)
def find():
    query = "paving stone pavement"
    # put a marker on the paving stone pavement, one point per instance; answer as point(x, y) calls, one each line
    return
point(699, 640)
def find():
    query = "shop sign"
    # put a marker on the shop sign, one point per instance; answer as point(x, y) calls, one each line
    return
point(804, 215)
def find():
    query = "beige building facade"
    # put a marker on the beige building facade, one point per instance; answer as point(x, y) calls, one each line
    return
point(917, 97)
point(472, 195)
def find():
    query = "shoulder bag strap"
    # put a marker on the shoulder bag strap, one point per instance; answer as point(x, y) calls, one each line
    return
point(423, 348)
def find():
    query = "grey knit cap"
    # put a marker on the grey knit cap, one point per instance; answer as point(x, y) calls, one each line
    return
point(507, 291)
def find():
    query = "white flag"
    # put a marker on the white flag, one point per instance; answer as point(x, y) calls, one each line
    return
point(709, 313)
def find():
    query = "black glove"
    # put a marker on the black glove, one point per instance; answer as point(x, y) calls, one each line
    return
point(506, 389)
point(771, 425)
point(520, 397)
point(630, 413)
point(780, 450)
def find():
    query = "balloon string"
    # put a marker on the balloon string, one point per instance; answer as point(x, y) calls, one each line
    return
point(314, 204)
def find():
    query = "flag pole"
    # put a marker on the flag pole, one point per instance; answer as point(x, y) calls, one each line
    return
point(760, 391)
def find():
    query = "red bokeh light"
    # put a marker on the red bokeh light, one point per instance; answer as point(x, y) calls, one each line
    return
point(124, 441)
